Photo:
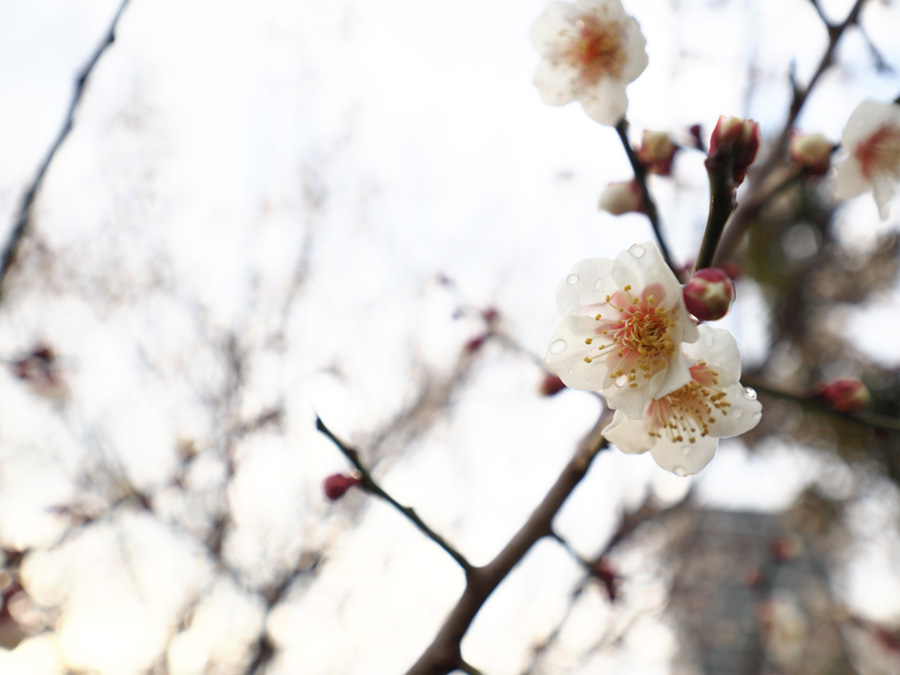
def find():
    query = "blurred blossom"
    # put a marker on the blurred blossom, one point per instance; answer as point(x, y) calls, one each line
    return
point(681, 429)
point(812, 152)
point(846, 395)
point(619, 198)
point(657, 152)
point(623, 323)
point(590, 51)
point(871, 141)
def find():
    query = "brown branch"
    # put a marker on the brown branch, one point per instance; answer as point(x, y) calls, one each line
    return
point(23, 219)
point(444, 654)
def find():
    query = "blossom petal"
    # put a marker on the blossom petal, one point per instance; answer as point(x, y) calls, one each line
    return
point(635, 47)
point(849, 181)
point(742, 414)
point(554, 83)
point(545, 31)
point(628, 435)
point(671, 379)
point(717, 346)
point(884, 188)
point(588, 282)
point(567, 353)
point(606, 102)
point(684, 459)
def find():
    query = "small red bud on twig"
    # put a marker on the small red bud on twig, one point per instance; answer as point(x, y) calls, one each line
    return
point(337, 484)
point(551, 385)
point(709, 294)
point(845, 395)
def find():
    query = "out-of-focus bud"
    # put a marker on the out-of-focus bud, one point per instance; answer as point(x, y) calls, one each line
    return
point(657, 152)
point(551, 385)
point(709, 294)
point(846, 395)
point(337, 484)
point(619, 198)
point(40, 369)
point(476, 343)
point(490, 314)
point(607, 576)
point(734, 140)
point(812, 152)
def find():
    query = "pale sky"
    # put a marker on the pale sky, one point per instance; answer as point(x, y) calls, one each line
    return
point(177, 212)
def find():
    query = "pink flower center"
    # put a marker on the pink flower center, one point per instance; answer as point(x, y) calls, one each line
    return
point(880, 153)
point(596, 48)
point(688, 412)
point(639, 333)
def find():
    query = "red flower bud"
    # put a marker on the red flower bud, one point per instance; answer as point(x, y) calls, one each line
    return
point(734, 141)
point(551, 385)
point(607, 576)
point(490, 314)
point(846, 395)
point(709, 294)
point(475, 343)
point(337, 484)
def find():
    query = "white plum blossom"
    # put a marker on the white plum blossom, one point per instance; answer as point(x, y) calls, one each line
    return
point(590, 50)
point(872, 141)
point(623, 324)
point(681, 429)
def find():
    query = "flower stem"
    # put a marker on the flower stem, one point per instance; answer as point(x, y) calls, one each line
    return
point(721, 206)
point(370, 485)
point(647, 203)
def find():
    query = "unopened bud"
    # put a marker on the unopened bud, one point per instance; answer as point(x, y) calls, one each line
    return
point(475, 343)
point(608, 576)
point(735, 141)
point(846, 395)
point(709, 294)
point(619, 198)
point(657, 152)
point(337, 484)
point(551, 385)
point(812, 152)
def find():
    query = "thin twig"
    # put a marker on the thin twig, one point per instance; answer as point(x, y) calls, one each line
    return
point(745, 215)
point(23, 219)
point(370, 485)
point(864, 417)
point(647, 203)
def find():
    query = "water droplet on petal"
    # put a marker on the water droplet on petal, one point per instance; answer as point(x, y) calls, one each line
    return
point(750, 393)
point(757, 415)
point(558, 346)
point(572, 279)
point(686, 450)
point(598, 284)
point(637, 251)
point(736, 413)
point(679, 471)
point(621, 381)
